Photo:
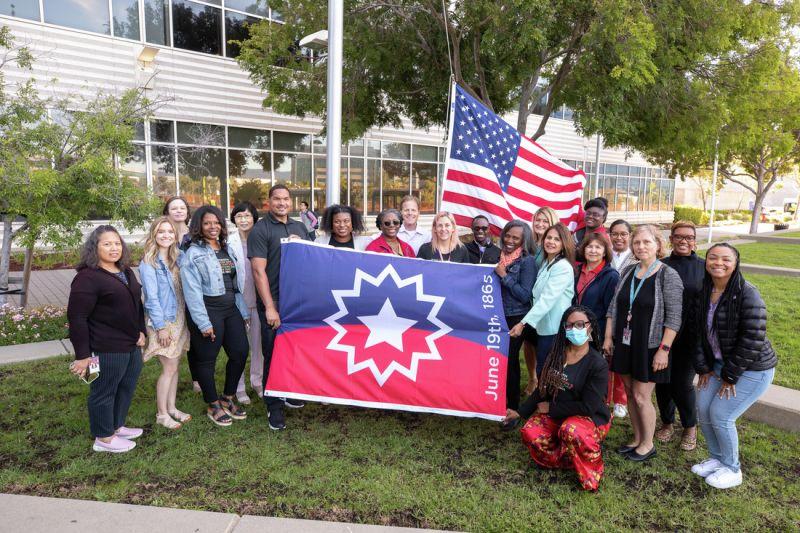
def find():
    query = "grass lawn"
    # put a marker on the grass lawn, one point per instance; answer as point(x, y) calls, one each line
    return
point(372, 466)
point(782, 296)
point(768, 253)
point(790, 234)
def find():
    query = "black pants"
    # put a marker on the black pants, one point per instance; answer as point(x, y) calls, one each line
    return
point(679, 392)
point(110, 395)
point(230, 333)
point(267, 346)
point(513, 372)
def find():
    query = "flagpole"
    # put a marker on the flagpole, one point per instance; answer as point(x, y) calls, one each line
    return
point(713, 191)
point(451, 110)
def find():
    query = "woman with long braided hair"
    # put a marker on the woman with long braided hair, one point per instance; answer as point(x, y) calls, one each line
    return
point(570, 416)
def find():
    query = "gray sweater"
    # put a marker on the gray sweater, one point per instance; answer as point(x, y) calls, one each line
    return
point(668, 307)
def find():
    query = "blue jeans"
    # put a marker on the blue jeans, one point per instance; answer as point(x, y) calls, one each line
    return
point(717, 416)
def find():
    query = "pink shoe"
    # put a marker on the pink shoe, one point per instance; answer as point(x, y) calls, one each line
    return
point(116, 445)
point(129, 433)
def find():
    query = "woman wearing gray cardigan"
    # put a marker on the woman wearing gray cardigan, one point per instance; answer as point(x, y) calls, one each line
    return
point(643, 320)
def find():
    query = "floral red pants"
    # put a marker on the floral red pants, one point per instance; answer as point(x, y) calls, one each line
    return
point(570, 443)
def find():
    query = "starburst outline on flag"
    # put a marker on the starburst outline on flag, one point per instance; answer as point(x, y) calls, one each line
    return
point(376, 281)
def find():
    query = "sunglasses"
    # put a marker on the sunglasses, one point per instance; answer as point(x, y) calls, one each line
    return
point(476, 229)
point(390, 223)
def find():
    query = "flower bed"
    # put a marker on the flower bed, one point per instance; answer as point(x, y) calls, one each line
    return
point(21, 326)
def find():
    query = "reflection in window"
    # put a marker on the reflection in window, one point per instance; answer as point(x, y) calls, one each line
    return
point(161, 131)
point(156, 21)
point(89, 15)
point(652, 195)
point(163, 166)
point(248, 138)
point(357, 147)
point(236, 29)
point(197, 27)
point(318, 185)
point(395, 183)
point(26, 9)
point(424, 153)
point(397, 150)
point(203, 134)
point(292, 142)
point(256, 7)
point(126, 18)
point(356, 188)
point(373, 186)
point(423, 186)
point(134, 166)
point(620, 203)
point(373, 148)
point(294, 171)
point(201, 173)
point(636, 194)
point(250, 177)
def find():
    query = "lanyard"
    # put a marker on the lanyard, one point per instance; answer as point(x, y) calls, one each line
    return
point(635, 292)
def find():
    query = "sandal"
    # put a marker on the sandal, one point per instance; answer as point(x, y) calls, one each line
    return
point(180, 416)
point(168, 422)
point(218, 415)
point(235, 411)
point(688, 440)
point(665, 433)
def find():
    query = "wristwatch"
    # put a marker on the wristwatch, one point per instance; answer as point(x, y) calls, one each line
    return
point(665, 347)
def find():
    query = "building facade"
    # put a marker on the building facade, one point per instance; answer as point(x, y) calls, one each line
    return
point(213, 142)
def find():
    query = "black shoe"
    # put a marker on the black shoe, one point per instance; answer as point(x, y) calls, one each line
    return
point(633, 456)
point(277, 421)
point(294, 404)
point(625, 449)
point(509, 425)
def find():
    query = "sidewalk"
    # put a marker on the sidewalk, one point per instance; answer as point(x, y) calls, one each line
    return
point(33, 514)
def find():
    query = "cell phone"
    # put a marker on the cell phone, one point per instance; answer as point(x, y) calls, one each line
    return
point(92, 371)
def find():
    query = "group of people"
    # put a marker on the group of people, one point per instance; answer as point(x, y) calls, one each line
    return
point(603, 318)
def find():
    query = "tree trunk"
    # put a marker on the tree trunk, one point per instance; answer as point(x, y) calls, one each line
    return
point(26, 276)
point(5, 257)
point(761, 192)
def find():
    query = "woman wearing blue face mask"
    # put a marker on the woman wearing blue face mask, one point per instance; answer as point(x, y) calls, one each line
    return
point(570, 416)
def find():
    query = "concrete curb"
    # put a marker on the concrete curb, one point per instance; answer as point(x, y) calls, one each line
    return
point(772, 238)
point(18, 353)
point(770, 270)
point(778, 407)
point(34, 514)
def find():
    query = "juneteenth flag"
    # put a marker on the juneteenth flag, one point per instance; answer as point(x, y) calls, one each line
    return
point(374, 330)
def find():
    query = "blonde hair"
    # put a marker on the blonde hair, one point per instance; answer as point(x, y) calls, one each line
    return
point(552, 220)
point(661, 245)
point(454, 242)
point(151, 246)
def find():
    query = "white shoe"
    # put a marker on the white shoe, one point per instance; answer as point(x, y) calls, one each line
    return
point(707, 467)
point(620, 411)
point(115, 445)
point(243, 398)
point(725, 478)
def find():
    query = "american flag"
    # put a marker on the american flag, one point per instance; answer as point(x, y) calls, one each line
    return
point(494, 171)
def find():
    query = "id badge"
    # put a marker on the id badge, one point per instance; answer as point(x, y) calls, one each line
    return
point(626, 336)
point(93, 371)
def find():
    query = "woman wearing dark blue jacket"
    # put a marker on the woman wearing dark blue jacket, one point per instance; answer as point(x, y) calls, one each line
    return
point(517, 272)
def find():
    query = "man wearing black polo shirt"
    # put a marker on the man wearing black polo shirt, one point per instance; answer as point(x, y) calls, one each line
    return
point(264, 251)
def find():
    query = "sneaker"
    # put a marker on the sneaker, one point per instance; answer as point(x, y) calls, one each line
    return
point(129, 433)
point(243, 398)
point(115, 445)
point(294, 404)
point(707, 467)
point(725, 478)
point(620, 410)
point(276, 419)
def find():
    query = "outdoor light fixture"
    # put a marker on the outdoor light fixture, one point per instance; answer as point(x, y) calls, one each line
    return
point(316, 41)
point(147, 54)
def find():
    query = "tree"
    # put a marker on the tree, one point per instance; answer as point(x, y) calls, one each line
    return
point(57, 160)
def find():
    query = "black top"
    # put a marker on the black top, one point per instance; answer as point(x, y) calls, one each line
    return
point(692, 270)
point(336, 244)
point(585, 386)
point(489, 256)
point(264, 241)
point(458, 255)
point(227, 300)
point(105, 314)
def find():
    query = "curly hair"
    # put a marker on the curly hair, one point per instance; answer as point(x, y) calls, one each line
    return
point(196, 224)
point(357, 221)
point(386, 212)
point(89, 258)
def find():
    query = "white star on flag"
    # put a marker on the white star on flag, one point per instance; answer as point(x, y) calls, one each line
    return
point(386, 327)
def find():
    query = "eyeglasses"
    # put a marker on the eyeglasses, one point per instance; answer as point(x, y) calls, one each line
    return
point(622, 235)
point(684, 238)
point(578, 324)
point(390, 223)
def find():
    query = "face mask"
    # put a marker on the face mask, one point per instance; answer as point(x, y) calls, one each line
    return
point(578, 337)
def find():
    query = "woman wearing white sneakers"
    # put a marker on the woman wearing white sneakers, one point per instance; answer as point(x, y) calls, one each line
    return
point(735, 361)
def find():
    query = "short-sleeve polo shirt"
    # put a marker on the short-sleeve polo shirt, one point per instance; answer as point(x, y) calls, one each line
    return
point(264, 241)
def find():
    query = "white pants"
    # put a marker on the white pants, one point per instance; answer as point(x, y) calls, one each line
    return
point(256, 359)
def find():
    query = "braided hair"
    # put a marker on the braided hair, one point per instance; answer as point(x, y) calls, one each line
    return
point(548, 380)
point(731, 298)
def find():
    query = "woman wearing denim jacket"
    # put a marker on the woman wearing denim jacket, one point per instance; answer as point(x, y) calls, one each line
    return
point(167, 335)
point(213, 286)
point(517, 273)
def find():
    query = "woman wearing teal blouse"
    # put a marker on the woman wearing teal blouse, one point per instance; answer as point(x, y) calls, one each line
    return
point(552, 292)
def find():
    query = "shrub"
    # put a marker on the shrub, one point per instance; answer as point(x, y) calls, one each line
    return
point(692, 214)
point(21, 326)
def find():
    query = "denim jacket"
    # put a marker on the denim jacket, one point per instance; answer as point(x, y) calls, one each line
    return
point(160, 300)
point(517, 285)
point(201, 276)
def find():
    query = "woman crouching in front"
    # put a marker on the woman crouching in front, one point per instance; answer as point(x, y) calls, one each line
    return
point(570, 416)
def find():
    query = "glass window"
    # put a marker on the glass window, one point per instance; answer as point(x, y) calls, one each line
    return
point(395, 184)
point(424, 153)
point(26, 9)
point(373, 148)
point(197, 27)
point(256, 7)
point(611, 170)
point(204, 134)
point(373, 186)
point(396, 150)
point(126, 18)
point(356, 187)
point(636, 195)
point(236, 29)
point(134, 166)
point(357, 147)
point(138, 131)
point(161, 131)
point(320, 144)
point(201, 174)
point(276, 15)
point(248, 138)
point(89, 15)
point(164, 184)
point(567, 113)
point(652, 195)
point(319, 183)
point(621, 202)
point(343, 185)
point(156, 21)
point(250, 177)
point(608, 190)
point(291, 142)
point(294, 171)
point(423, 186)
point(442, 154)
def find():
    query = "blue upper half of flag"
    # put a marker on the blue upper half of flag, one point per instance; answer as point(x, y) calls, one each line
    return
point(483, 138)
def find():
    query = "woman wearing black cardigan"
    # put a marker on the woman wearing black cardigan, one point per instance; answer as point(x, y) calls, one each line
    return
point(735, 361)
point(570, 417)
point(106, 320)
